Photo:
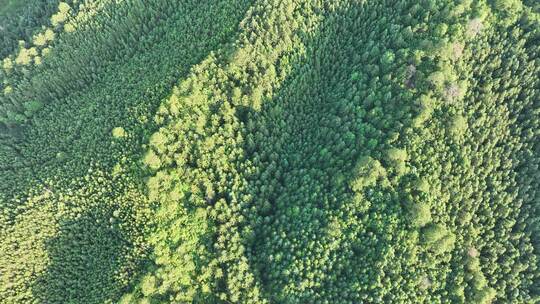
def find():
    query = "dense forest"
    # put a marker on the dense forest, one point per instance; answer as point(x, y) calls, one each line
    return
point(270, 151)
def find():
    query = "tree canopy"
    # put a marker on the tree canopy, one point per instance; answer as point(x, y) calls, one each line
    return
point(265, 151)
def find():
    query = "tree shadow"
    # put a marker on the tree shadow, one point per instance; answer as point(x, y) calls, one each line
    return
point(85, 259)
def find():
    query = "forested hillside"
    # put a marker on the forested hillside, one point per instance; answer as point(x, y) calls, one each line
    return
point(265, 151)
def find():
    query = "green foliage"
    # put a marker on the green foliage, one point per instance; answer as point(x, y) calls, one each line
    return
point(438, 239)
point(148, 285)
point(70, 138)
point(509, 10)
point(420, 214)
point(118, 132)
point(369, 171)
point(84, 239)
point(19, 20)
point(152, 160)
point(61, 15)
point(32, 107)
point(265, 151)
point(396, 158)
point(458, 126)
